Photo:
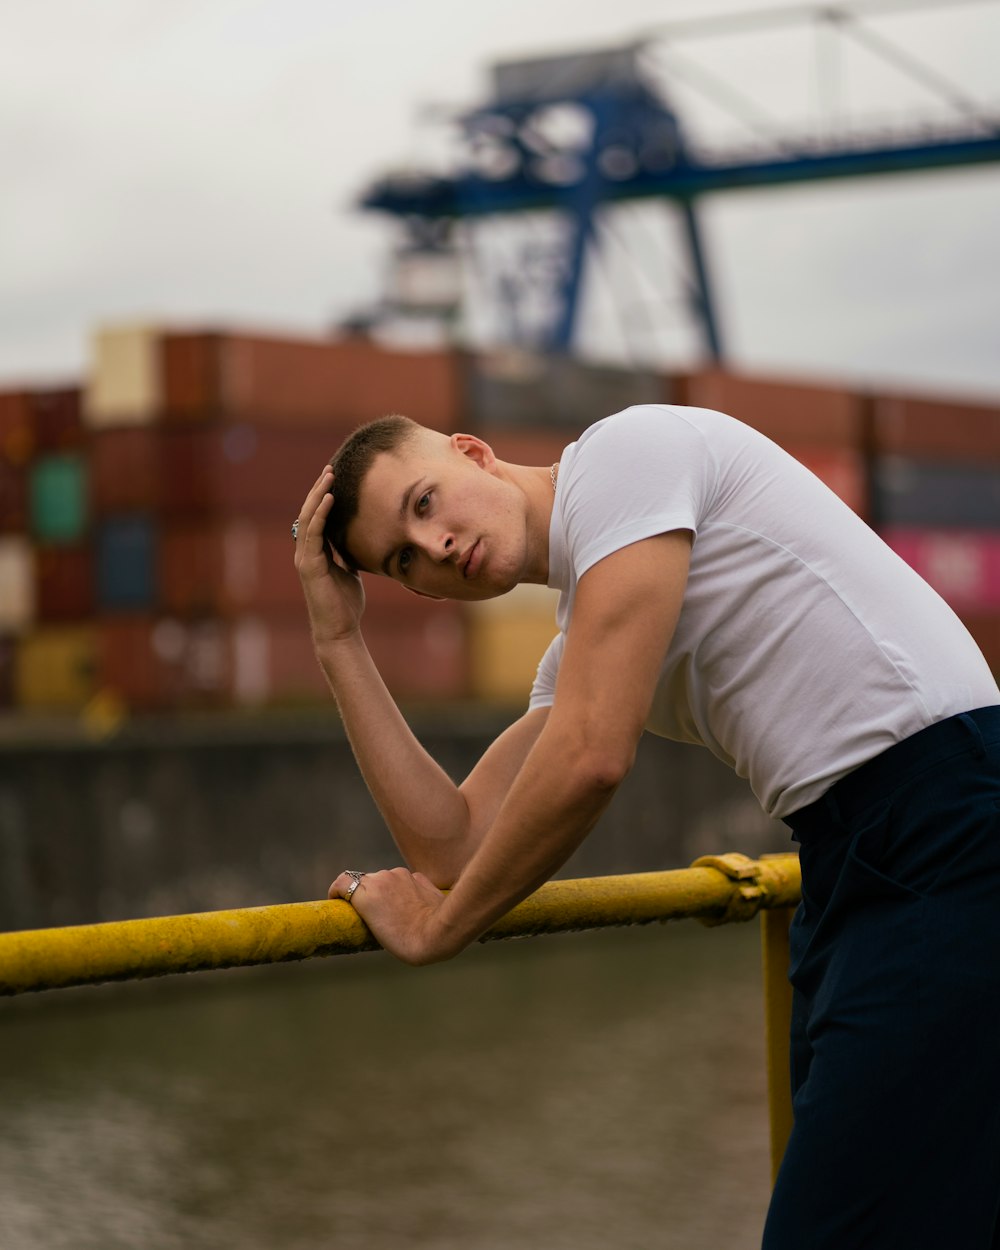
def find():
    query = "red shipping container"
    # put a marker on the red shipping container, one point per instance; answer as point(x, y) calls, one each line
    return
point(64, 583)
point(189, 372)
point(840, 468)
point(963, 566)
point(213, 376)
point(13, 498)
point(56, 419)
point(261, 659)
point(241, 469)
point(153, 664)
point(17, 435)
point(126, 474)
point(936, 428)
point(373, 381)
point(228, 567)
point(788, 412)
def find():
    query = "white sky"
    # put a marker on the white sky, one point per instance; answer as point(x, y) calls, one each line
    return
point(196, 161)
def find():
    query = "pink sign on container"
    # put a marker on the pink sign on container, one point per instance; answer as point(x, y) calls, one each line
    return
point(963, 566)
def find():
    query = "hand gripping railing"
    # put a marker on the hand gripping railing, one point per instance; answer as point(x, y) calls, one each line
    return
point(717, 889)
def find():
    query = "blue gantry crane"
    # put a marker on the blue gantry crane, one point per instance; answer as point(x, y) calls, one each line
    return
point(630, 142)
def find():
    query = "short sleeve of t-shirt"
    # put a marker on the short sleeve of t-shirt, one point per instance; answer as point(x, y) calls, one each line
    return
point(644, 471)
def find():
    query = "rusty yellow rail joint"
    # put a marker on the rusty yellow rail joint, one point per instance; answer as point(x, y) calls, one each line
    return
point(714, 890)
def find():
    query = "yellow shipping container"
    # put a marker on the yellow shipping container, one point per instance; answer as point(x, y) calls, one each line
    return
point(123, 386)
point(56, 668)
point(507, 638)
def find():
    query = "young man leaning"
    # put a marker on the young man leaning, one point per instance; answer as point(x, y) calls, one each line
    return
point(712, 591)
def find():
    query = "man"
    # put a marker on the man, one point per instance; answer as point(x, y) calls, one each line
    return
point(713, 591)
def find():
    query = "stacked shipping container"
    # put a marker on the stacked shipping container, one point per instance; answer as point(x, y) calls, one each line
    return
point(203, 446)
point(45, 517)
point(144, 526)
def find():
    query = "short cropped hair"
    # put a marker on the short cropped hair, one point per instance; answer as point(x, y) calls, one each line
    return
point(350, 464)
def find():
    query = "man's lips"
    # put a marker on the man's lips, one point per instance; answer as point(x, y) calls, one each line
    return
point(471, 562)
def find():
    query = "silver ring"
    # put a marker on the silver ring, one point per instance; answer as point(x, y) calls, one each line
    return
point(355, 882)
point(295, 528)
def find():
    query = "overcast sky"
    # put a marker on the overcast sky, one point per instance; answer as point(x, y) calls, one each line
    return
point(196, 162)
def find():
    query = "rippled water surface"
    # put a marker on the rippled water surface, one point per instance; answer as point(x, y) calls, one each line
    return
point(592, 1090)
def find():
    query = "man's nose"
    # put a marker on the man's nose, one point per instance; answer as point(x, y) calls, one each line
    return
point(447, 548)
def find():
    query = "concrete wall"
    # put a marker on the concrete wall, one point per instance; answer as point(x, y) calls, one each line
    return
point(175, 817)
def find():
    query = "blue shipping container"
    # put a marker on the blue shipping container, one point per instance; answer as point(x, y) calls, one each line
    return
point(126, 562)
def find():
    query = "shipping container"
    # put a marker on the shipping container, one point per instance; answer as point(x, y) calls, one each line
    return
point(17, 584)
point(126, 474)
point(227, 567)
point(949, 495)
point(963, 566)
point(222, 376)
point(154, 663)
point(64, 583)
point(789, 412)
point(163, 663)
point(507, 638)
point(13, 498)
point(241, 469)
point(55, 668)
point(936, 428)
point(58, 491)
point(17, 435)
point(57, 419)
point(521, 388)
point(124, 385)
point(127, 563)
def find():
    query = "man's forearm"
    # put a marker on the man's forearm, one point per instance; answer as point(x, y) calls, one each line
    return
point(556, 800)
point(422, 807)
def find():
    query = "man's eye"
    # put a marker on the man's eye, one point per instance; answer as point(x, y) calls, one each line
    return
point(405, 556)
point(424, 502)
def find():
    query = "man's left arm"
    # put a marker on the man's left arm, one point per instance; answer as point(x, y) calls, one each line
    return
point(624, 615)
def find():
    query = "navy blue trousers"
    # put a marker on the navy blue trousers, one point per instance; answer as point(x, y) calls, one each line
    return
point(895, 968)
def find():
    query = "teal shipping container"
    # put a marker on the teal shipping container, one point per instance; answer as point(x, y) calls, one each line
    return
point(58, 490)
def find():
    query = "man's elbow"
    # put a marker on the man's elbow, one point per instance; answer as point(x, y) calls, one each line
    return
point(603, 767)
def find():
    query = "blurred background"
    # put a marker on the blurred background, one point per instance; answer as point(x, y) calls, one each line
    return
point(232, 231)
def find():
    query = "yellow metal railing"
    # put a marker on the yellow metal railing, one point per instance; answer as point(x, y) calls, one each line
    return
point(717, 889)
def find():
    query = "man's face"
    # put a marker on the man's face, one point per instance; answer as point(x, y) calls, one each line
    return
point(436, 517)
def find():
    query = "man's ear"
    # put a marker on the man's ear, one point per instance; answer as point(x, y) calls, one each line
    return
point(478, 451)
point(424, 595)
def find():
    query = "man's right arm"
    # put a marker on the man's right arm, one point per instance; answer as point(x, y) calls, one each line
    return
point(436, 824)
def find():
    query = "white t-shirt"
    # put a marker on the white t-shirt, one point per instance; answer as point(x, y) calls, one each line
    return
point(805, 646)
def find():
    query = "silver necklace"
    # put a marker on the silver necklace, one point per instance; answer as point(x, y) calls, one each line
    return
point(553, 474)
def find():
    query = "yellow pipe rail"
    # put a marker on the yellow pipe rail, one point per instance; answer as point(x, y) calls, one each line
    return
point(714, 890)
point(717, 889)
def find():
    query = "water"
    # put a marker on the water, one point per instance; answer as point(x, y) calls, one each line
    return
point(567, 1093)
